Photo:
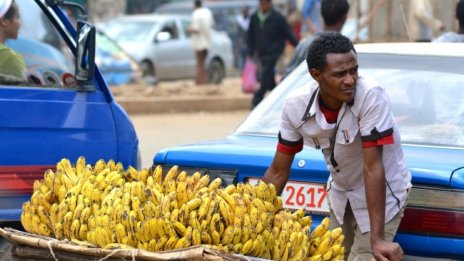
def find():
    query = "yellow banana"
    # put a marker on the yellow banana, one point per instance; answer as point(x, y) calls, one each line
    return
point(215, 184)
point(226, 211)
point(196, 237)
point(181, 193)
point(230, 189)
point(161, 243)
point(205, 237)
point(247, 247)
point(215, 237)
point(182, 243)
point(182, 177)
point(179, 228)
point(228, 236)
point(202, 182)
point(171, 175)
point(203, 209)
point(228, 198)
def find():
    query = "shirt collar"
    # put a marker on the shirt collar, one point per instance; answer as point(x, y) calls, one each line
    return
point(312, 106)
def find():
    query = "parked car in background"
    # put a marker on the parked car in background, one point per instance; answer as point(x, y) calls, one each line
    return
point(425, 83)
point(225, 14)
point(163, 46)
point(116, 65)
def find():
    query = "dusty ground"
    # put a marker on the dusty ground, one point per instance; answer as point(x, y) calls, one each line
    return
point(229, 87)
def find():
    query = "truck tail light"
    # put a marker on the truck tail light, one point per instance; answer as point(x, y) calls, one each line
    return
point(20, 179)
point(434, 211)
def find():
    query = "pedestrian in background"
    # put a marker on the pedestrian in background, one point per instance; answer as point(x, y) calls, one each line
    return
point(200, 29)
point(294, 18)
point(11, 63)
point(243, 22)
point(334, 14)
point(459, 35)
point(266, 35)
point(311, 14)
point(422, 24)
point(348, 117)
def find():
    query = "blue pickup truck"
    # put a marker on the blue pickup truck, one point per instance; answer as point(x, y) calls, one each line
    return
point(63, 113)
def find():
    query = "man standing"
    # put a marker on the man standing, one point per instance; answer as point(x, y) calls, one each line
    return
point(243, 22)
point(267, 33)
point(202, 24)
point(311, 17)
point(334, 14)
point(348, 117)
point(421, 21)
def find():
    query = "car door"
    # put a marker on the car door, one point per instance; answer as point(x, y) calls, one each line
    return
point(172, 51)
point(43, 122)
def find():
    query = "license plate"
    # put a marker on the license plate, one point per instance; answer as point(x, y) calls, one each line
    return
point(297, 194)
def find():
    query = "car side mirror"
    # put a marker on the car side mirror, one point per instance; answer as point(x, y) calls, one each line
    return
point(85, 55)
point(163, 36)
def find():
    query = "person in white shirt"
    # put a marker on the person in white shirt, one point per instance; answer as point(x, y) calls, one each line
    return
point(348, 117)
point(243, 22)
point(200, 29)
point(422, 24)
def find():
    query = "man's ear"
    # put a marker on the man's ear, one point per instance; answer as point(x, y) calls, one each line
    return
point(315, 73)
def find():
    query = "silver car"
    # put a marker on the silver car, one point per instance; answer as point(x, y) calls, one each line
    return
point(163, 47)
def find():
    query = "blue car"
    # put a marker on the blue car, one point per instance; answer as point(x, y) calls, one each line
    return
point(66, 113)
point(425, 83)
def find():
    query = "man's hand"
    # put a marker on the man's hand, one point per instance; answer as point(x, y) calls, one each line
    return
point(387, 251)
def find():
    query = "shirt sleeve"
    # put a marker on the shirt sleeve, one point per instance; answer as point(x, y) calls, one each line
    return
point(290, 140)
point(307, 7)
point(376, 120)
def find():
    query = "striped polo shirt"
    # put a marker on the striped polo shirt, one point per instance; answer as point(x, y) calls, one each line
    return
point(365, 121)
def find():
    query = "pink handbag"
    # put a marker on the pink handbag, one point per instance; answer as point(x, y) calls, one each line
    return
point(249, 82)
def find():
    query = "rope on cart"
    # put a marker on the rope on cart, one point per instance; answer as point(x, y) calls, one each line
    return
point(49, 243)
point(133, 253)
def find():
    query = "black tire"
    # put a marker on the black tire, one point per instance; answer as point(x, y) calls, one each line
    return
point(216, 72)
point(147, 69)
point(148, 72)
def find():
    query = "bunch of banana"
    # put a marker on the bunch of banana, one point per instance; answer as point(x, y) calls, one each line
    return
point(295, 241)
point(327, 244)
point(106, 206)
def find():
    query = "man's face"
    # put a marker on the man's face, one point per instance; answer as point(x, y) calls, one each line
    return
point(337, 81)
point(264, 5)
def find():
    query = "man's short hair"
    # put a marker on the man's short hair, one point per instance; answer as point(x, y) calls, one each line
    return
point(328, 42)
point(197, 3)
point(460, 12)
point(332, 11)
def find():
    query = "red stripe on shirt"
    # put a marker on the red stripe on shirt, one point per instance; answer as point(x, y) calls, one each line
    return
point(290, 149)
point(382, 141)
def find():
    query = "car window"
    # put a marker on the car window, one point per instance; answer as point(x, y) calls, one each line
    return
point(128, 31)
point(171, 28)
point(46, 56)
point(427, 104)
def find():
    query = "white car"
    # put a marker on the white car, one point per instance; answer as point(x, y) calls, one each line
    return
point(163, 47)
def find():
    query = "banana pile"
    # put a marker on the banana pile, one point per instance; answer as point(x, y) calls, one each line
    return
point(295, 241)
point(106, 206)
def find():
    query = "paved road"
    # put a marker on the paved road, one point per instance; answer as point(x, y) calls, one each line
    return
point(159, 131)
